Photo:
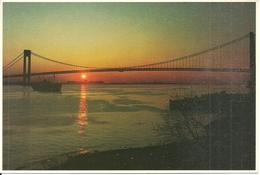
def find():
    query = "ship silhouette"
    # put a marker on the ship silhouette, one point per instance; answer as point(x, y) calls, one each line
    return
point(47, 86)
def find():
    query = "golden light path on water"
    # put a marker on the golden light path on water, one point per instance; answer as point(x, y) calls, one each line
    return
point(82, 114)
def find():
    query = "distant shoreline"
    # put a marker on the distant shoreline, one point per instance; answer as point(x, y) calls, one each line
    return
point(137, 83)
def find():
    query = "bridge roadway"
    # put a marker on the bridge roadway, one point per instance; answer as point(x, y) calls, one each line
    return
point(132, 69)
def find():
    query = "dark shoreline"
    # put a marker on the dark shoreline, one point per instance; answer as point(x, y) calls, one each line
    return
point(164, 157)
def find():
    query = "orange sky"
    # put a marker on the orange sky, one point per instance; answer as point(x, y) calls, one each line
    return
point(121, 34)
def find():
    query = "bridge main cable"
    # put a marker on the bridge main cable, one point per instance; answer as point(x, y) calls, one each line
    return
point(144, 67)
point(11, 63)
point(151, 64)
point(59, 62)
point(194, 54)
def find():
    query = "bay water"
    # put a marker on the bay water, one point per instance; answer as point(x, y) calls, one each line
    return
point(89, 117)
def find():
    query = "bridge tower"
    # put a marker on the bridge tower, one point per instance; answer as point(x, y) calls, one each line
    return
point(252, 64)
point(26, 68)
point(252, 81)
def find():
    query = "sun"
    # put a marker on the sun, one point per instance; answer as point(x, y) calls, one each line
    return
point(83, 76)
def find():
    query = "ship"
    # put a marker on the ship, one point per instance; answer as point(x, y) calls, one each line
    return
point(47, 86)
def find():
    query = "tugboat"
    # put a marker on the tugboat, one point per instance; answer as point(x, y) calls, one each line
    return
point(47, 86)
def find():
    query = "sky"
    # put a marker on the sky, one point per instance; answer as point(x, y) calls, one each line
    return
point(120, 34)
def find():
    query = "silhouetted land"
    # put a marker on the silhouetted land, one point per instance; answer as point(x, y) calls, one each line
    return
point(226, 141)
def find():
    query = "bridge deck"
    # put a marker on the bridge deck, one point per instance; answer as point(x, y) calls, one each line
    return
point(133, 69)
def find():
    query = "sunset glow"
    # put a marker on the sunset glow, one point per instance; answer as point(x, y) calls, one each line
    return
point(119, 34)
point(83, 76)
point(129, 86)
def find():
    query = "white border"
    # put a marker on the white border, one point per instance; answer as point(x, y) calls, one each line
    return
point(257, 85)
point(135, 171)
point(1, 79)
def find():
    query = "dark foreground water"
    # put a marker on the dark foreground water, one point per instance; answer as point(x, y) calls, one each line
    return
point(86, 118)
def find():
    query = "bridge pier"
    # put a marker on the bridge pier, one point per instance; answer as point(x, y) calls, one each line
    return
point(26, 72)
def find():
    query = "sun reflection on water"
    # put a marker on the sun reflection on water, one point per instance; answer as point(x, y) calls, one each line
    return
point(82, 115)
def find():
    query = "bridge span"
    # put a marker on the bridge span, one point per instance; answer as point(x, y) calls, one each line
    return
point(236, 56)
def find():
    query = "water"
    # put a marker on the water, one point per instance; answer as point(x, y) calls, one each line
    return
point(86, 118)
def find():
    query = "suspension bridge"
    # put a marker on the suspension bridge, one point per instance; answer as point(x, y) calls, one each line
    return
point(237, 56)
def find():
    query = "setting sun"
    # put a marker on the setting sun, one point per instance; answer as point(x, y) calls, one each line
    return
point(83, 76)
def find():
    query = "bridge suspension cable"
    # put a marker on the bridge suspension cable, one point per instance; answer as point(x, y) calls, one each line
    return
point(194, 54)
point(151, 64)
point(59, 62)
point(207, 60)
point(13, 62)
